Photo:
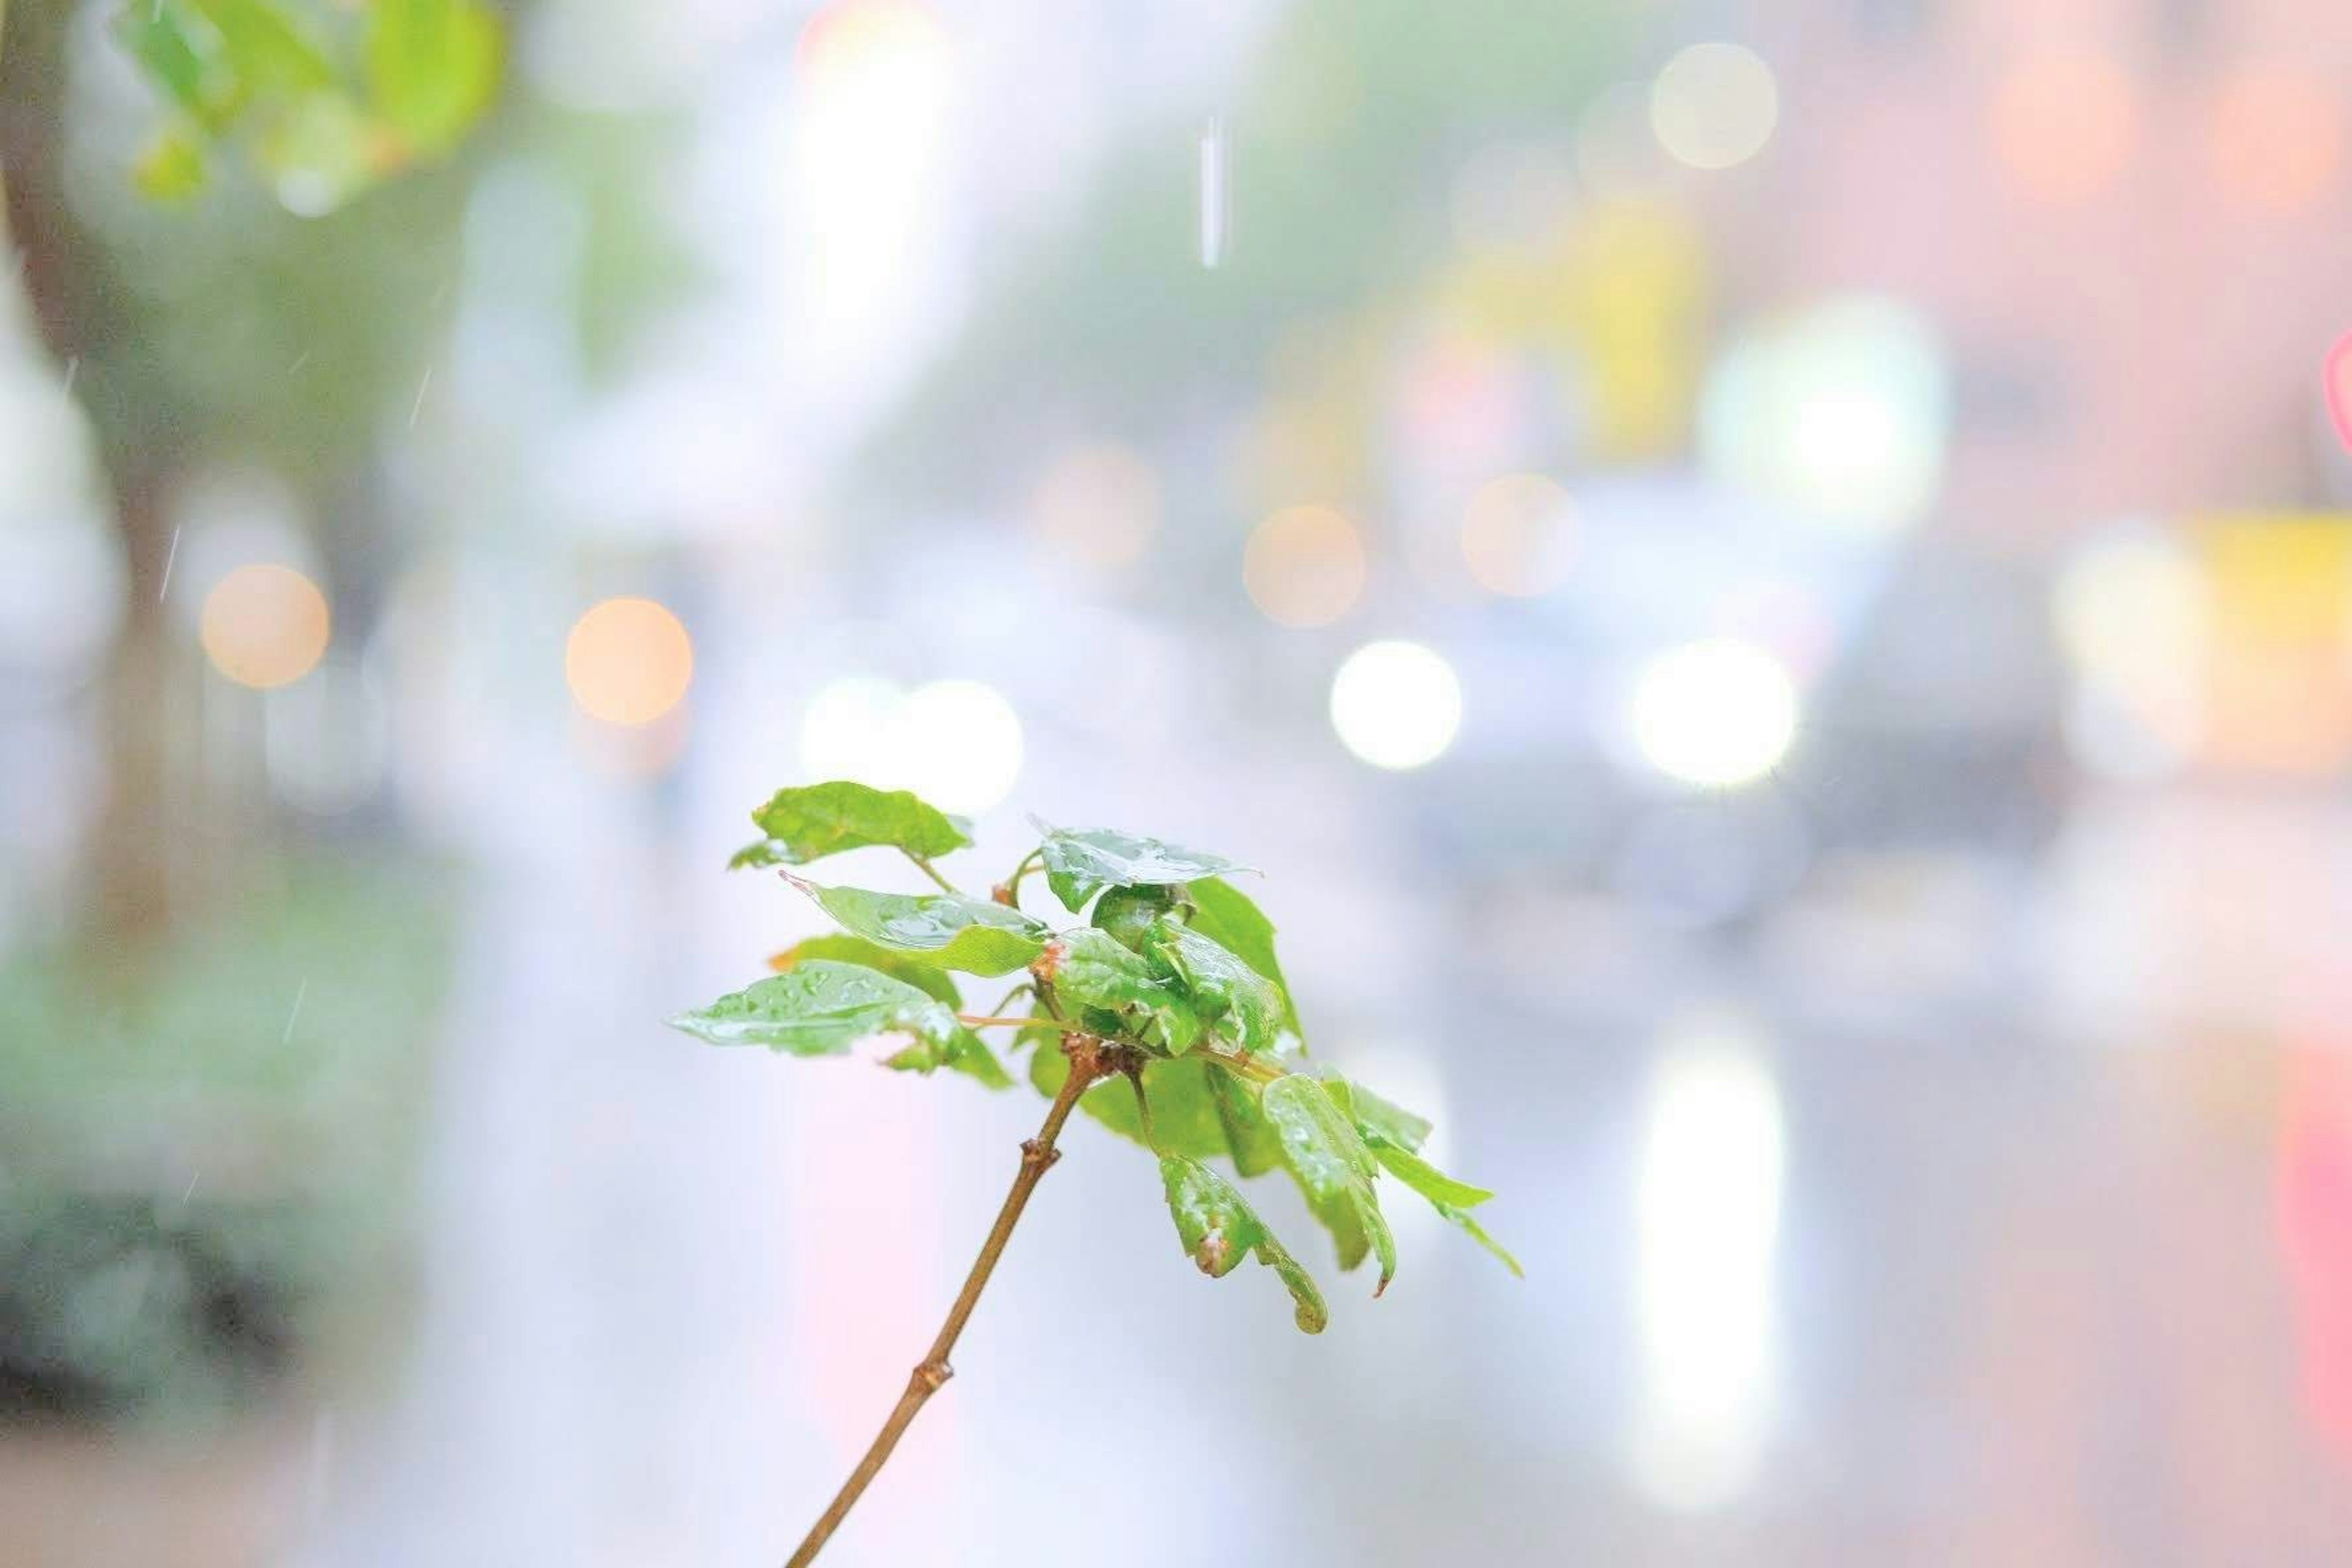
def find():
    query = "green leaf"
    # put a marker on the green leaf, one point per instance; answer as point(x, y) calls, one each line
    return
point(760, 852)
point(1334, 1169)
point(1444, 1191)
point(1449, 1196)
point(266, 49)
point(184, 56)
point(971, 934)
point(813, 821)
point(821, 1007)
point(1218, 1229)
point(966, 1054)
point(1233, 999)
point(1185, 1119)
point(1250, 1138)
point(1127, 914)
point(1380, 1121)
point(1089, 970)
point(433, 68)
point(927, 978)
point(1080, 862)
point(172, 169)
point(1225, 914)
point(1477, 1233)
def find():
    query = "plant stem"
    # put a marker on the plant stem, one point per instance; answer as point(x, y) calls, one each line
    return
point(1008, 892)
point(1037, 1155)
point(1240, 1063)
point(930, 871)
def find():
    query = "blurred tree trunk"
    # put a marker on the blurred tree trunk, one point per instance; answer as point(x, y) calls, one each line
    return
point(66, 278)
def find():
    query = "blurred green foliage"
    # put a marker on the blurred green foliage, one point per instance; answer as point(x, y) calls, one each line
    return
point(1343, 147)
point(328, 100)
point(204, 1163)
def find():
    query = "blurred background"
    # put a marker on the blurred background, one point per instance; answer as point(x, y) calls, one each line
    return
point(1770, 584)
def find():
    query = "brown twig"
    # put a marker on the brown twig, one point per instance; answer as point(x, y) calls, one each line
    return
point(1037, 1155)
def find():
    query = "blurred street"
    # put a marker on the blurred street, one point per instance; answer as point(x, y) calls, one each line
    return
point(1769, 589)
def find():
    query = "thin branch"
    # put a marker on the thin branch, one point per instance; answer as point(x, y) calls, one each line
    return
point(1008, 891)
point(1037, 1155)
point(927, 869)
point(1239, 1063)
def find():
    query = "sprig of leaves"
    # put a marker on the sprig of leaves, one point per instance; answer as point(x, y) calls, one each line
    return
point(327, 104)
point(1174, 978)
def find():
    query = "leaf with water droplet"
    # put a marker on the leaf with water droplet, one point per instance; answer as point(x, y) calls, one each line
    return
point(1090, 969)
point(810, 821)
point(433, 68)
point(1181, 1089)
point(821, 1007)
point(927, 978)
point(1222, 913)
point(1235, 1001)
point(1334, 1168)
point(1081, 862)
point(1219, 1228)
point(1381, 1121)
point(951, 932)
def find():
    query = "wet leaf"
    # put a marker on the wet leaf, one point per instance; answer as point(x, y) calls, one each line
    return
point(1081, 862)
point(1218, 1229)
point(1334, 1168)
point(1380, 1121)
point(172, 169)
point(1444, 1191)
point(1184, 1115)
point(1127, 914)
point(1089, 970)
point(265, 47)
point(953, 932)
point(821, 1007)
point(1449, 1196)
point(183, 56)
point(927, 978)
point(760, 852)
point(1477, 1233)
point(807, 823)
point(1235, 1001)
point(1222, 913)
point(433, 68)
point(1249, 1137)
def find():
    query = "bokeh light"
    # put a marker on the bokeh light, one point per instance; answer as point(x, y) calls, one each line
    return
point(2277, 137)
point(1713, 106)
point(1617, 151)
point(971, 745)
point(1715, 714)
point(628, 662)
point(2064, 124)
point(1396, 704)
point(958, 743)
point(1304, 566)
point(1516, 535)
point(1708, 1210)
point(1097, 505)
point(2134, 616)
point(265, 625)
point(1839, 413)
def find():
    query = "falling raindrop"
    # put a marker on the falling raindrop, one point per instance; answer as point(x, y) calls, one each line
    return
point(170, 556)
point(417, 408)
point(1213, 207)
point(300, 991)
